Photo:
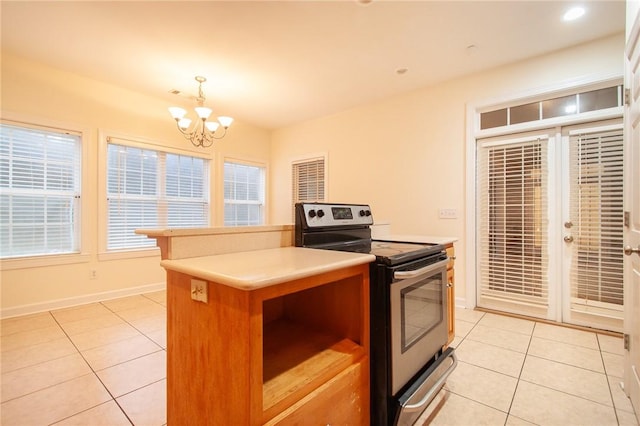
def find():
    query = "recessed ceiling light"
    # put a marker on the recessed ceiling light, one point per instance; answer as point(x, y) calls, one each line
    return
point(573, 13)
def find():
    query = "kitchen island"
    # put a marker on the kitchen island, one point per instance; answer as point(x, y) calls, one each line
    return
point(277, 335)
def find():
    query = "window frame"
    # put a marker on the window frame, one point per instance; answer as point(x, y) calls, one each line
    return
point(109, 137)
point(249, 163)
point(82, 225)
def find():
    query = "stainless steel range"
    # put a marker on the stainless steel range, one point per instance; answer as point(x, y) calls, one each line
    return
point(408, 298)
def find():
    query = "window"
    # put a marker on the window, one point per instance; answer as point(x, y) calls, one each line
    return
point(148, 189)
point(243, 194)
point(39, 191)
point(576, 103)
point(308, 180)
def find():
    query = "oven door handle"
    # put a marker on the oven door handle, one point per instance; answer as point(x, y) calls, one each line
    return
point(404, 275)
point(436, 386)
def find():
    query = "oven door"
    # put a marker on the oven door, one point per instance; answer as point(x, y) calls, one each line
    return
point(418, 319)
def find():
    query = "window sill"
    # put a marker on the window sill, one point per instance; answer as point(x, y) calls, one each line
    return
point(129, 254)
point(43, 261)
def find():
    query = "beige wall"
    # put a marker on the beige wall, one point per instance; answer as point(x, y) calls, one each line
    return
point(409, 151)
point(43, 95)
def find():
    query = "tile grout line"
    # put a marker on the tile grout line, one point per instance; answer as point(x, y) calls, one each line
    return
point(604, 366)
point(527, 354)
point(96, 376)
point(524, 361)
point(65, 335)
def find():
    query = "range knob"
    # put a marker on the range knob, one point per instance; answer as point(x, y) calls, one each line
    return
point(362, 213)
point(320, 213)
point(312, 213)
point(365, 212)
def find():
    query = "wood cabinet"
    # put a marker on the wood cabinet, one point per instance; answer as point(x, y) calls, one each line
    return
point(289, 353)
point(451, 294)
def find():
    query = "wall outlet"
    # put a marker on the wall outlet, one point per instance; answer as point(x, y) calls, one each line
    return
point(448, 213)
point(93, 274)
point(199, 291)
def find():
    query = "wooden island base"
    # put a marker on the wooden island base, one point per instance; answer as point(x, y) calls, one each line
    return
point(284, 354)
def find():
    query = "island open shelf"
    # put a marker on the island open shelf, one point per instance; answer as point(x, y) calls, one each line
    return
point(297, 361)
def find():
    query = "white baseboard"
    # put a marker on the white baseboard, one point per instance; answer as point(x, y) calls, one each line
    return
point(79, 300)
point(461, 302)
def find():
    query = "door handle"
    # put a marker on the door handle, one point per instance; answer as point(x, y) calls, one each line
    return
point(629, 251)
point(568, 239)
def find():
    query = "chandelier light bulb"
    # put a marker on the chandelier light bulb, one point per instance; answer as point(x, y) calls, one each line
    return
point(212, 126)
point(177, 112)
point(184, 123)
point(203, 112)
point(225, 121)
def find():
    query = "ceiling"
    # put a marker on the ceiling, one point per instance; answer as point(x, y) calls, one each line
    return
point(275, 63)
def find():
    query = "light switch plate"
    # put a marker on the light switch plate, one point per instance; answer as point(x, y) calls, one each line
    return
point(199, 291)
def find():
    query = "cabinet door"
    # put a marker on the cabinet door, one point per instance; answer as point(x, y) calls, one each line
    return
point(326, 405)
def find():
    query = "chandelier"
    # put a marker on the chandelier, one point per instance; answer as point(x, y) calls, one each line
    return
point(203, 132)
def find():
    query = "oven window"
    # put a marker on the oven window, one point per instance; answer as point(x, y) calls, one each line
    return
point(422, 309)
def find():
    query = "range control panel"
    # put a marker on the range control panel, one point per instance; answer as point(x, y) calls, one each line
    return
point(318, 215)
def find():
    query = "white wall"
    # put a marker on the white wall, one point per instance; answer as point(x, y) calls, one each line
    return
point(406, 155)
point(48, 96)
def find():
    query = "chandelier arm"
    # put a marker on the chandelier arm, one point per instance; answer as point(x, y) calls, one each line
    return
point(213, 135)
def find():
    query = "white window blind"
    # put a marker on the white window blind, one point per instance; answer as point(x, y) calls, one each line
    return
point(244, 188)
point(596, 212)
point(512, 179)
point(308, 180)
point(186, 190)
point(148, 189)
point(39, 191)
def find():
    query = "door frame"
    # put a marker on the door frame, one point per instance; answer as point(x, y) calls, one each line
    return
point(631, 206)
point(473, 133)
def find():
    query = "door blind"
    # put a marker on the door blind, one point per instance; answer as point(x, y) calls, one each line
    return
point(512, 179)
point(596, 214)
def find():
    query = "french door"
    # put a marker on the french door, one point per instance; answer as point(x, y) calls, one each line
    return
point(550, 224)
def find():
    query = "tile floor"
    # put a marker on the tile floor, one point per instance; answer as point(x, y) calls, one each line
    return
point(104, 364)
point(513, 371)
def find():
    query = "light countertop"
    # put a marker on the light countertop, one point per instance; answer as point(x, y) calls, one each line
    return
point(251, 270)
point(181, 232)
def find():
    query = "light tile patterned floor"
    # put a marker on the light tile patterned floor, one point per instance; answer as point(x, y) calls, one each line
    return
point(105, 364)
point(513, 371)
